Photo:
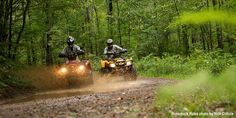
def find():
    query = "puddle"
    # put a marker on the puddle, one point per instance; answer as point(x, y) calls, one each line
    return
point(41, 96)
point(98, 87)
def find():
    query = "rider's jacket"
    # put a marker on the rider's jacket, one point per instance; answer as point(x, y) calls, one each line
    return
point(71, 52)
point(115, 49)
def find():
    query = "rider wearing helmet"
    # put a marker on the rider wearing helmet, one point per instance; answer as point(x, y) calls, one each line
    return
point(72, 50)
point(112, 51)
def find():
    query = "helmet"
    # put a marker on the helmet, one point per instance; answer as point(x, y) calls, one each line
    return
point(70, 41)
point(110, 43)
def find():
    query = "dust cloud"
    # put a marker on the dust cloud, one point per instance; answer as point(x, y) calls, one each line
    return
point(48, 85)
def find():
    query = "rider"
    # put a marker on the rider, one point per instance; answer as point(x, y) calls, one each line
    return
point(72, 50)
point(112, 50)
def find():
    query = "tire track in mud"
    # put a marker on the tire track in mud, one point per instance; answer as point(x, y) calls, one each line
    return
point(103, 99)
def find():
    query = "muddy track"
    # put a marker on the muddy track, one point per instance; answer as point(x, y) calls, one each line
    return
point(113, 99)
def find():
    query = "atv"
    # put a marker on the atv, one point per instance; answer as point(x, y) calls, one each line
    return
point(119, 66)
point(76, 72)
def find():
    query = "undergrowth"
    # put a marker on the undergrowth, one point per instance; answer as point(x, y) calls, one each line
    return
point(180, 67)
point(200, 93)
point(10, 83)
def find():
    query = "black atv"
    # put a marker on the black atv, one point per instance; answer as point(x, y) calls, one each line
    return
point(76, 73)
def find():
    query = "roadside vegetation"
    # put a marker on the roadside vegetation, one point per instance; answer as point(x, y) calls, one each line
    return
point(179, 67)
point(199, 93)
point(10, 83)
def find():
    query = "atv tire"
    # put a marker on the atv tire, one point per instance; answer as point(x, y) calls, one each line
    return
point(89, 79)
point(105, 70)
point(72, 82)
point(132, 74)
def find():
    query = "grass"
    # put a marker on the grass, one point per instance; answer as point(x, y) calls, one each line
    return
point(200, 93)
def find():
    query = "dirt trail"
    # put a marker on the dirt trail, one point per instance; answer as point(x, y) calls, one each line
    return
point(103, 99)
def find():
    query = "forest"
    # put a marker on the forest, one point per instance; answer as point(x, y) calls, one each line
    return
point(34, 31)
point(166, 38)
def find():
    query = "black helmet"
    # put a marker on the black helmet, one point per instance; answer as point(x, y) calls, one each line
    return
point(70, 41)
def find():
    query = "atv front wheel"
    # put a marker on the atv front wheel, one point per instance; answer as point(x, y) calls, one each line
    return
point(132, 74)
point(72, 82)
point(89, 79)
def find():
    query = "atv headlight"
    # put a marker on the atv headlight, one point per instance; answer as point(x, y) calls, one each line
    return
point(112, 65)
point(63, 70)
point(81, 67)
point(128, 63)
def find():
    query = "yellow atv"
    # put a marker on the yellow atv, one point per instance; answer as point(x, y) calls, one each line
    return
point(119, 66)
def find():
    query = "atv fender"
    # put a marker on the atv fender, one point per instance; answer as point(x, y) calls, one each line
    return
point(104, 63)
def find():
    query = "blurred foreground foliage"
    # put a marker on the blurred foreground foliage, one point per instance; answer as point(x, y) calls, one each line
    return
point(217, 16)
point(202, 92)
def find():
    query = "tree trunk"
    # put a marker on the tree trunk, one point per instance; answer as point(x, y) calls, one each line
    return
point(219, 36)
point(5, 21)
point(179, 28)
point(218, 28)
point(98, 28)
point(118, 22)
point(1, 20)
point(185, 40)
point(43, 47)
point(210, 40)
point(32, 43)
point(4, 18)
point(210, 36)
point(22, 28)
point(109, 18)
point(10, 30)
point(129, 33)
point(156, 28)
point(194, 36)
point(29, 58)
point(88, 28)
point(203, 37)
point(49, 24)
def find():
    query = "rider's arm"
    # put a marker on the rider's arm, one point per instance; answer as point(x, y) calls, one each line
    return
point(63, 53)
point(106, 54)
point(120, 48)
point(105, 51)
point(79, 50)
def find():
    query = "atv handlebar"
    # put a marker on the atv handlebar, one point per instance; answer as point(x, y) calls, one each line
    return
point(63, 55)
point(115, 53)
point(124, 51)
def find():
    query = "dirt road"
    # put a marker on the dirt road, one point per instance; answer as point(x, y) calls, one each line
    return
point(103, 99)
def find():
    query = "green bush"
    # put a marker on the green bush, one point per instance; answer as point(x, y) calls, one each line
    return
point(178, 66)
point(215, 62)
point(95, 62)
